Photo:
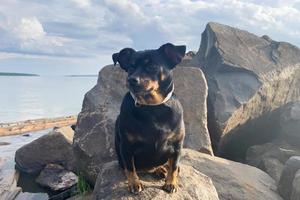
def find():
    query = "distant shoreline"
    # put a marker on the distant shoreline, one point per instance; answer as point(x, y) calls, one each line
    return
point(21, 127)
point(16, 74)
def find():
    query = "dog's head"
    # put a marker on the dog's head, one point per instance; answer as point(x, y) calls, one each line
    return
point(150, 72)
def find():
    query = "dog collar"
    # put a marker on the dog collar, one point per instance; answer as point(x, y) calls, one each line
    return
point(169, 95)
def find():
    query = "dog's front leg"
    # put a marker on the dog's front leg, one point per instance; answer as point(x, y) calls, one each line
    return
point(134, 184)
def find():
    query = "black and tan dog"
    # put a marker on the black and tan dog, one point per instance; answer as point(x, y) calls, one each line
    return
point(150, 128)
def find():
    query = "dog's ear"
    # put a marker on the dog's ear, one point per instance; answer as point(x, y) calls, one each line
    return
point(123, 57)
point(173, 54)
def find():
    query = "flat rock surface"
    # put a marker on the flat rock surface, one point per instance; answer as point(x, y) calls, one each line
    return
point(192, 185)
point(233, 181)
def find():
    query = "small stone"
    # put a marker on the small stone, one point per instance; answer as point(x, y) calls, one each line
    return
point(4, 143)
point(26, 135)
point(56, 178)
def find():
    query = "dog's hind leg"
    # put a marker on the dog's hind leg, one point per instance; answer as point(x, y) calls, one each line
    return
point(161, 172)
point(117, 142)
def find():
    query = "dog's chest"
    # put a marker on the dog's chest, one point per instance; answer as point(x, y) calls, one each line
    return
point(153, 138)
point(150, 132)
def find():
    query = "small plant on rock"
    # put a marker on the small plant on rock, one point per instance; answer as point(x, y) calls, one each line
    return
point(82, 185)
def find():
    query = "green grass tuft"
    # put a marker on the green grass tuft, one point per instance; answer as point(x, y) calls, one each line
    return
point(82, 185)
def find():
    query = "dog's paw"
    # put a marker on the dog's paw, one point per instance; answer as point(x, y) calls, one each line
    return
point(170, 188)
point(160, 172)
point(135, 187)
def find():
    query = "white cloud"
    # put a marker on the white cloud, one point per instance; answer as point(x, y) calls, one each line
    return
point(82, 3)
point(86, 28)
point(29, 29)
point(185, 20)
point(127, 9)
point(28, 36)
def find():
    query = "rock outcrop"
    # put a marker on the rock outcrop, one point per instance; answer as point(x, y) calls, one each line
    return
point(192, 185)
point(247, 76)
point(94, 135)
point(201, 177)
point(55, 147)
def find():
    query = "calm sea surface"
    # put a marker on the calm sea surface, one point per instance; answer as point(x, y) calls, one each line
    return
point(23, 98)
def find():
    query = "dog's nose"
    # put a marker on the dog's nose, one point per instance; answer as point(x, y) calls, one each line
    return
point(133, 80)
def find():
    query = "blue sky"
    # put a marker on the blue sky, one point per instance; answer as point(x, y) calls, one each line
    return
point(78, 36)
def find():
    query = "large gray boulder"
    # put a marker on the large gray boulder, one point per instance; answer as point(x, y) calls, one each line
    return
point(247, 77)
point(285, 185)
point(94, 135)
point(233, 180)
point(193, 185)
point(55, 147)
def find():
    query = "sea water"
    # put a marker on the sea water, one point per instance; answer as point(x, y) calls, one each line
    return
point(32, 97)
